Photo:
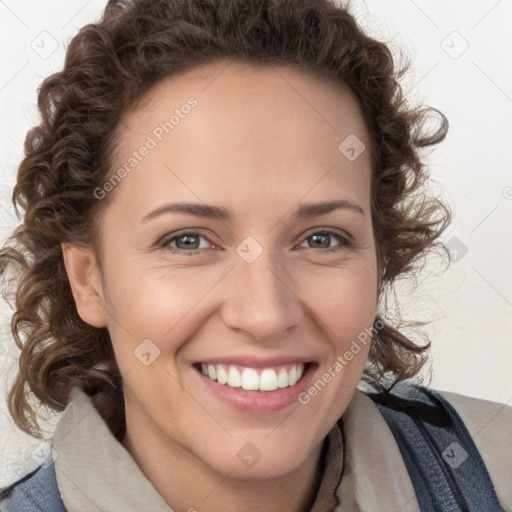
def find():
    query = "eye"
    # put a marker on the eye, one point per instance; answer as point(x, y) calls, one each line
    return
point(185, 241)
point(321, 239)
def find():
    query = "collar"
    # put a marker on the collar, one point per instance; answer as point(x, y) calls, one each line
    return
point(95, 471)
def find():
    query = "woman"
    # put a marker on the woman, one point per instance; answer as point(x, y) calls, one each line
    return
point(217, 200)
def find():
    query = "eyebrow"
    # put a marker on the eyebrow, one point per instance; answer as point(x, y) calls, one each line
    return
point(304, 211)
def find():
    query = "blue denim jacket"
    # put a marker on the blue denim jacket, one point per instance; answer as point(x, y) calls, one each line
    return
point(36, 492)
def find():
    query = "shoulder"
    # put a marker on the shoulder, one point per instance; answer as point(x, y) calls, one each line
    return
point(37, 491)
point(481, 416)
point(487, 423)
point(490, 426)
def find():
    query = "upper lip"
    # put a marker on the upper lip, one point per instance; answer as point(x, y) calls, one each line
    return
point(256, 362)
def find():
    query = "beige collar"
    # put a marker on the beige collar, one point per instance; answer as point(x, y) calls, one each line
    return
point(95, 471)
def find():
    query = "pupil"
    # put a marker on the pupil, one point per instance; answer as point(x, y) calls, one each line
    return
point(316, 237)
point(187, 239)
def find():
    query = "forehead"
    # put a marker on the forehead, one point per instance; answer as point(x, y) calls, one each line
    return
point(253, 132)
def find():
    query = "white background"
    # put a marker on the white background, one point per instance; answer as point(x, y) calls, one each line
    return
point(462, 55)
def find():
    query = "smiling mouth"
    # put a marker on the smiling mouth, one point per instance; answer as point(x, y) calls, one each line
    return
point(252, 379)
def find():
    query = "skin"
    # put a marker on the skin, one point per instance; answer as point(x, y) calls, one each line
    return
point(260, 141)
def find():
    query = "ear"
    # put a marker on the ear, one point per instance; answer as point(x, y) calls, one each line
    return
point(85, 279)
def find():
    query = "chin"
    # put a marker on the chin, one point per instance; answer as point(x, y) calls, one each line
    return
point(257, 460)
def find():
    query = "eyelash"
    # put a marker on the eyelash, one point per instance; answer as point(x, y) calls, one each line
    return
point(346, 243)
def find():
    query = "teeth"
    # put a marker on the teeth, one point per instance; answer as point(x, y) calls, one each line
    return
point(234, 379)
point(292, 376)
point(222, 375)
point(250, 380)
point(268, 380)
point(282, 378)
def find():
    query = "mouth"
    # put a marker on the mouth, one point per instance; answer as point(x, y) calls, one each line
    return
point(256, 385)
point(246, 378)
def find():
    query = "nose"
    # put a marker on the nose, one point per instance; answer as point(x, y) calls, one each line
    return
point(262, 300)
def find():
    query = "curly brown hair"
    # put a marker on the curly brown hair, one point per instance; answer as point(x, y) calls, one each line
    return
point(109, 67)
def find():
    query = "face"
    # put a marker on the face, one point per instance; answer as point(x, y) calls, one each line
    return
point(251, 284)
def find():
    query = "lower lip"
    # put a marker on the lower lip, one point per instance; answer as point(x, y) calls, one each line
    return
point(258, 401)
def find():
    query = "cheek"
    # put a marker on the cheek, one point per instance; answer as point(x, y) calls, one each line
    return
point(156, 311)
point(152, 301)
point(346, 307)
point(345, 298)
